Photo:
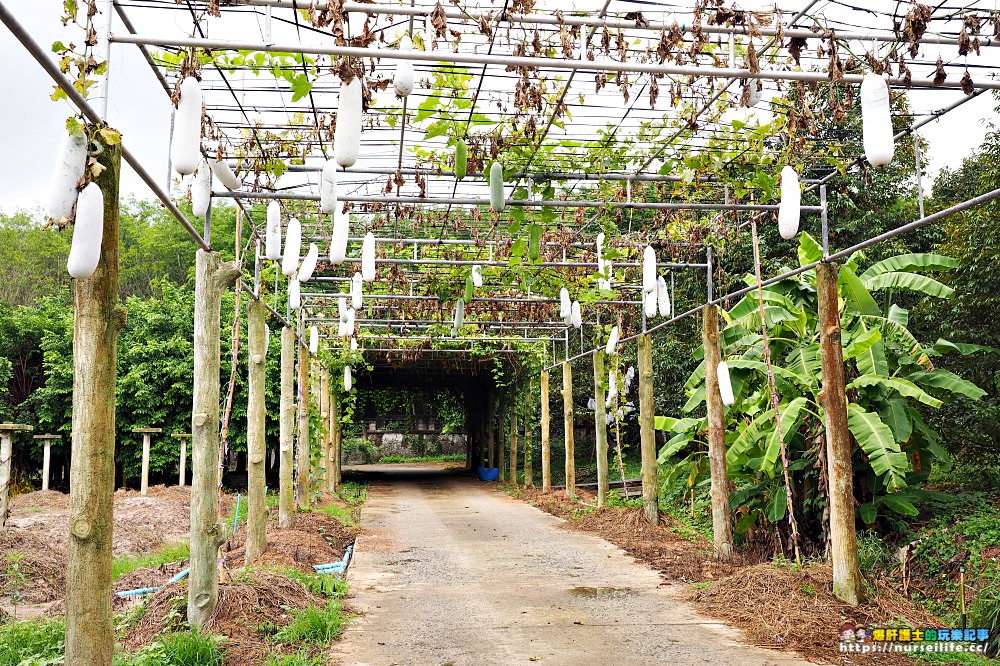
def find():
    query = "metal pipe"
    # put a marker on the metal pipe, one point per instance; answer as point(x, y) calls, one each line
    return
point(492, 299)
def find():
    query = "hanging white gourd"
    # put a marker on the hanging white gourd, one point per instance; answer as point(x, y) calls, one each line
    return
point(185, 147)
point(347, 135)
point(293, 246)
point(612, 346)
point(876, 120)
point(69, 167)
point(662, 297)
point(313, 340)
point(612, 386)
point(88, 233)
point(267, 339)
point(354, 344)
point(788, 209)
point(224, 174)
point(756, 93)
point(368, 258)
point(725, 384)
point(477, 276)
point(564, 305)
point(356, 291)
point(272, 237)
point(649, 304)
point(351, 321)
point(609, 270)
point(600, 249)
point(459, 313)
point(328, 187)
point(342, 329)
point(575, 317)
point(404, 79)
point(347, 379)
point(338, 242)
point(309, 263)
point(294, 294)
point(201, 189)
point(342, 308)
point(497, 201)
point(649, 269)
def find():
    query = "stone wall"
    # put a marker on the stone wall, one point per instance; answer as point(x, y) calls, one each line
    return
point(407, 446)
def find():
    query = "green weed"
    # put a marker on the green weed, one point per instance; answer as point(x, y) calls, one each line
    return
point(128, 563)
point(184, 648)
point(35, 642)
point(297, 659)
point(441, 457)
point(314, 625)
point(322, 585)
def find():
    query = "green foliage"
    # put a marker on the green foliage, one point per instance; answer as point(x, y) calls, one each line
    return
point(297, 659)
point(32, 643)
point(441, 457)
point(128, 563)
point(315, 626)
point(182, 648)
point(319, 584)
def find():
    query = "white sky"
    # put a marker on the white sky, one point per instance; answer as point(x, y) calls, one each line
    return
point(140, 110)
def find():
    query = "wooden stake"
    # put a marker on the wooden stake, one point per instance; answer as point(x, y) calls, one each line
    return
point(647, 435)
point(46, 463)
point(529, 471)
point(6, 453)
point(833, 398)
point(546, 446)
point(256, 541)
point(513, 444)
point(212, 277)
point(324, 411)
point(601, 428)
point(184, 437)
point(722, 528)
point(334, 481)
point(146, 436)
point(501, 442)
point(302, 455)
point(90, 637)
point(491, 444)
point(286, 437)
point(567, 395)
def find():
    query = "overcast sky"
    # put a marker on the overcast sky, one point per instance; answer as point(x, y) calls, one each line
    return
point(140, 110)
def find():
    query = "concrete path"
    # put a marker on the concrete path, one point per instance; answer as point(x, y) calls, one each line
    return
point(455, 573)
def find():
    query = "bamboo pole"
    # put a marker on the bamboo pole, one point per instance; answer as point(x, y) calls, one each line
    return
point(722, 528)
point(601, 428)
point(286, 437)
point(302, 455)
point(529, 470)
point(513, 443)
point(212, 277)
point(324, 411)
point(647, 435)
point(567, 395)
point(546, 447)
point(96, 323)
point(256, 541)
point(843, 541)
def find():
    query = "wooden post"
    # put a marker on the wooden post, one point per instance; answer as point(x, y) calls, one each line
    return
point(722, 528)
point(302, 456)
point(601, 428)
point(529, 471)
point(501, 442)
point(146, 437)
point(324, 411)
point(567, 395)
point(286, 437)
point(46, 459)
point(256, 541)
point(90, 637)
point(333, 479)
point(833, 398)
point(546, 450)
point(513, 443)
point(6, 453)
point(491, 443)
point(212, 278)
point(182, 467)
point(647, 435)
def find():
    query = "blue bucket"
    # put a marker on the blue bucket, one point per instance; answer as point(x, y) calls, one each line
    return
point(489, 473)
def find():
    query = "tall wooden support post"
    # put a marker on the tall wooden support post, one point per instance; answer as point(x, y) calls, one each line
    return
point(513, 443)
point(256, 542)
point(529, 468)
point(96, 324)
point(501, 442)
point(286, 436)
point(46, 461)
point(833, 398)
point(146, 436)
point(490, 431)
point(6, 453)
point(722, 527)
point(302, 455)
point(546, 449)
point(601, 428)
point(182, 467)
point(324, 412)
point(212, 277)
point(647, 435)
point(567, 395)
point(333, 481)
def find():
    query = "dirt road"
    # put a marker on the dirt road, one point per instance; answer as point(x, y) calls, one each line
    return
point(455, 573)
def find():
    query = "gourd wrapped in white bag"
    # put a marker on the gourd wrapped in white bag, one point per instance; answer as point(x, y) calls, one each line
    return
point(649, 304)
point(347, 379)
point(313, 340)
point(201, 189)
point(294, 294)
point(341, 230)
point(356, 291)
point(368, 258)
point(788, 209)
point(308, 266)
point(88, 233)
point(576, 319)
point(612, 346)
point(477, 276)
point(612, 386)
point(328, 187)
point(756, 92)
point(404, 79)
point(272, 236)
point(649, 270)
point(565, 306)
point(347, 135)
point(342, 308)
point(354, 344)
point(185, 147)
point(69, 167)
point(350, 325)
point(725, 384)
point(876, 120)
point(662, 297)
point(224, 174)
point(293, 246)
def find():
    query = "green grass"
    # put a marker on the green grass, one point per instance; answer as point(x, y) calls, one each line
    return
point(441, 457)
point(128, 563)
point(344, 516)
point(184, 648)
point(297, 659)
point(318, 584)
point(32, 642)
point(954, 658)
point(353, 493)
point(314, 626)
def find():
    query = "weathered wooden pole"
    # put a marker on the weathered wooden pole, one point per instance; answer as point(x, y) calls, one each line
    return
point(490, 430)
point(324, 411)
point(501, 441)
point(647, 435)
point(286, 436)
point(513, 443)
point(182, 467)
point(546, 449)
point(6, 453)
point(722, 527)
point(146, 441)
point(833, 398)
point(529, 471)
point(256, 541)
point(601, 428)
point(302, 455)
point(46, 459)
point(567, 395)
point(97, 321)
point(333, 425)
point(212, 278)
